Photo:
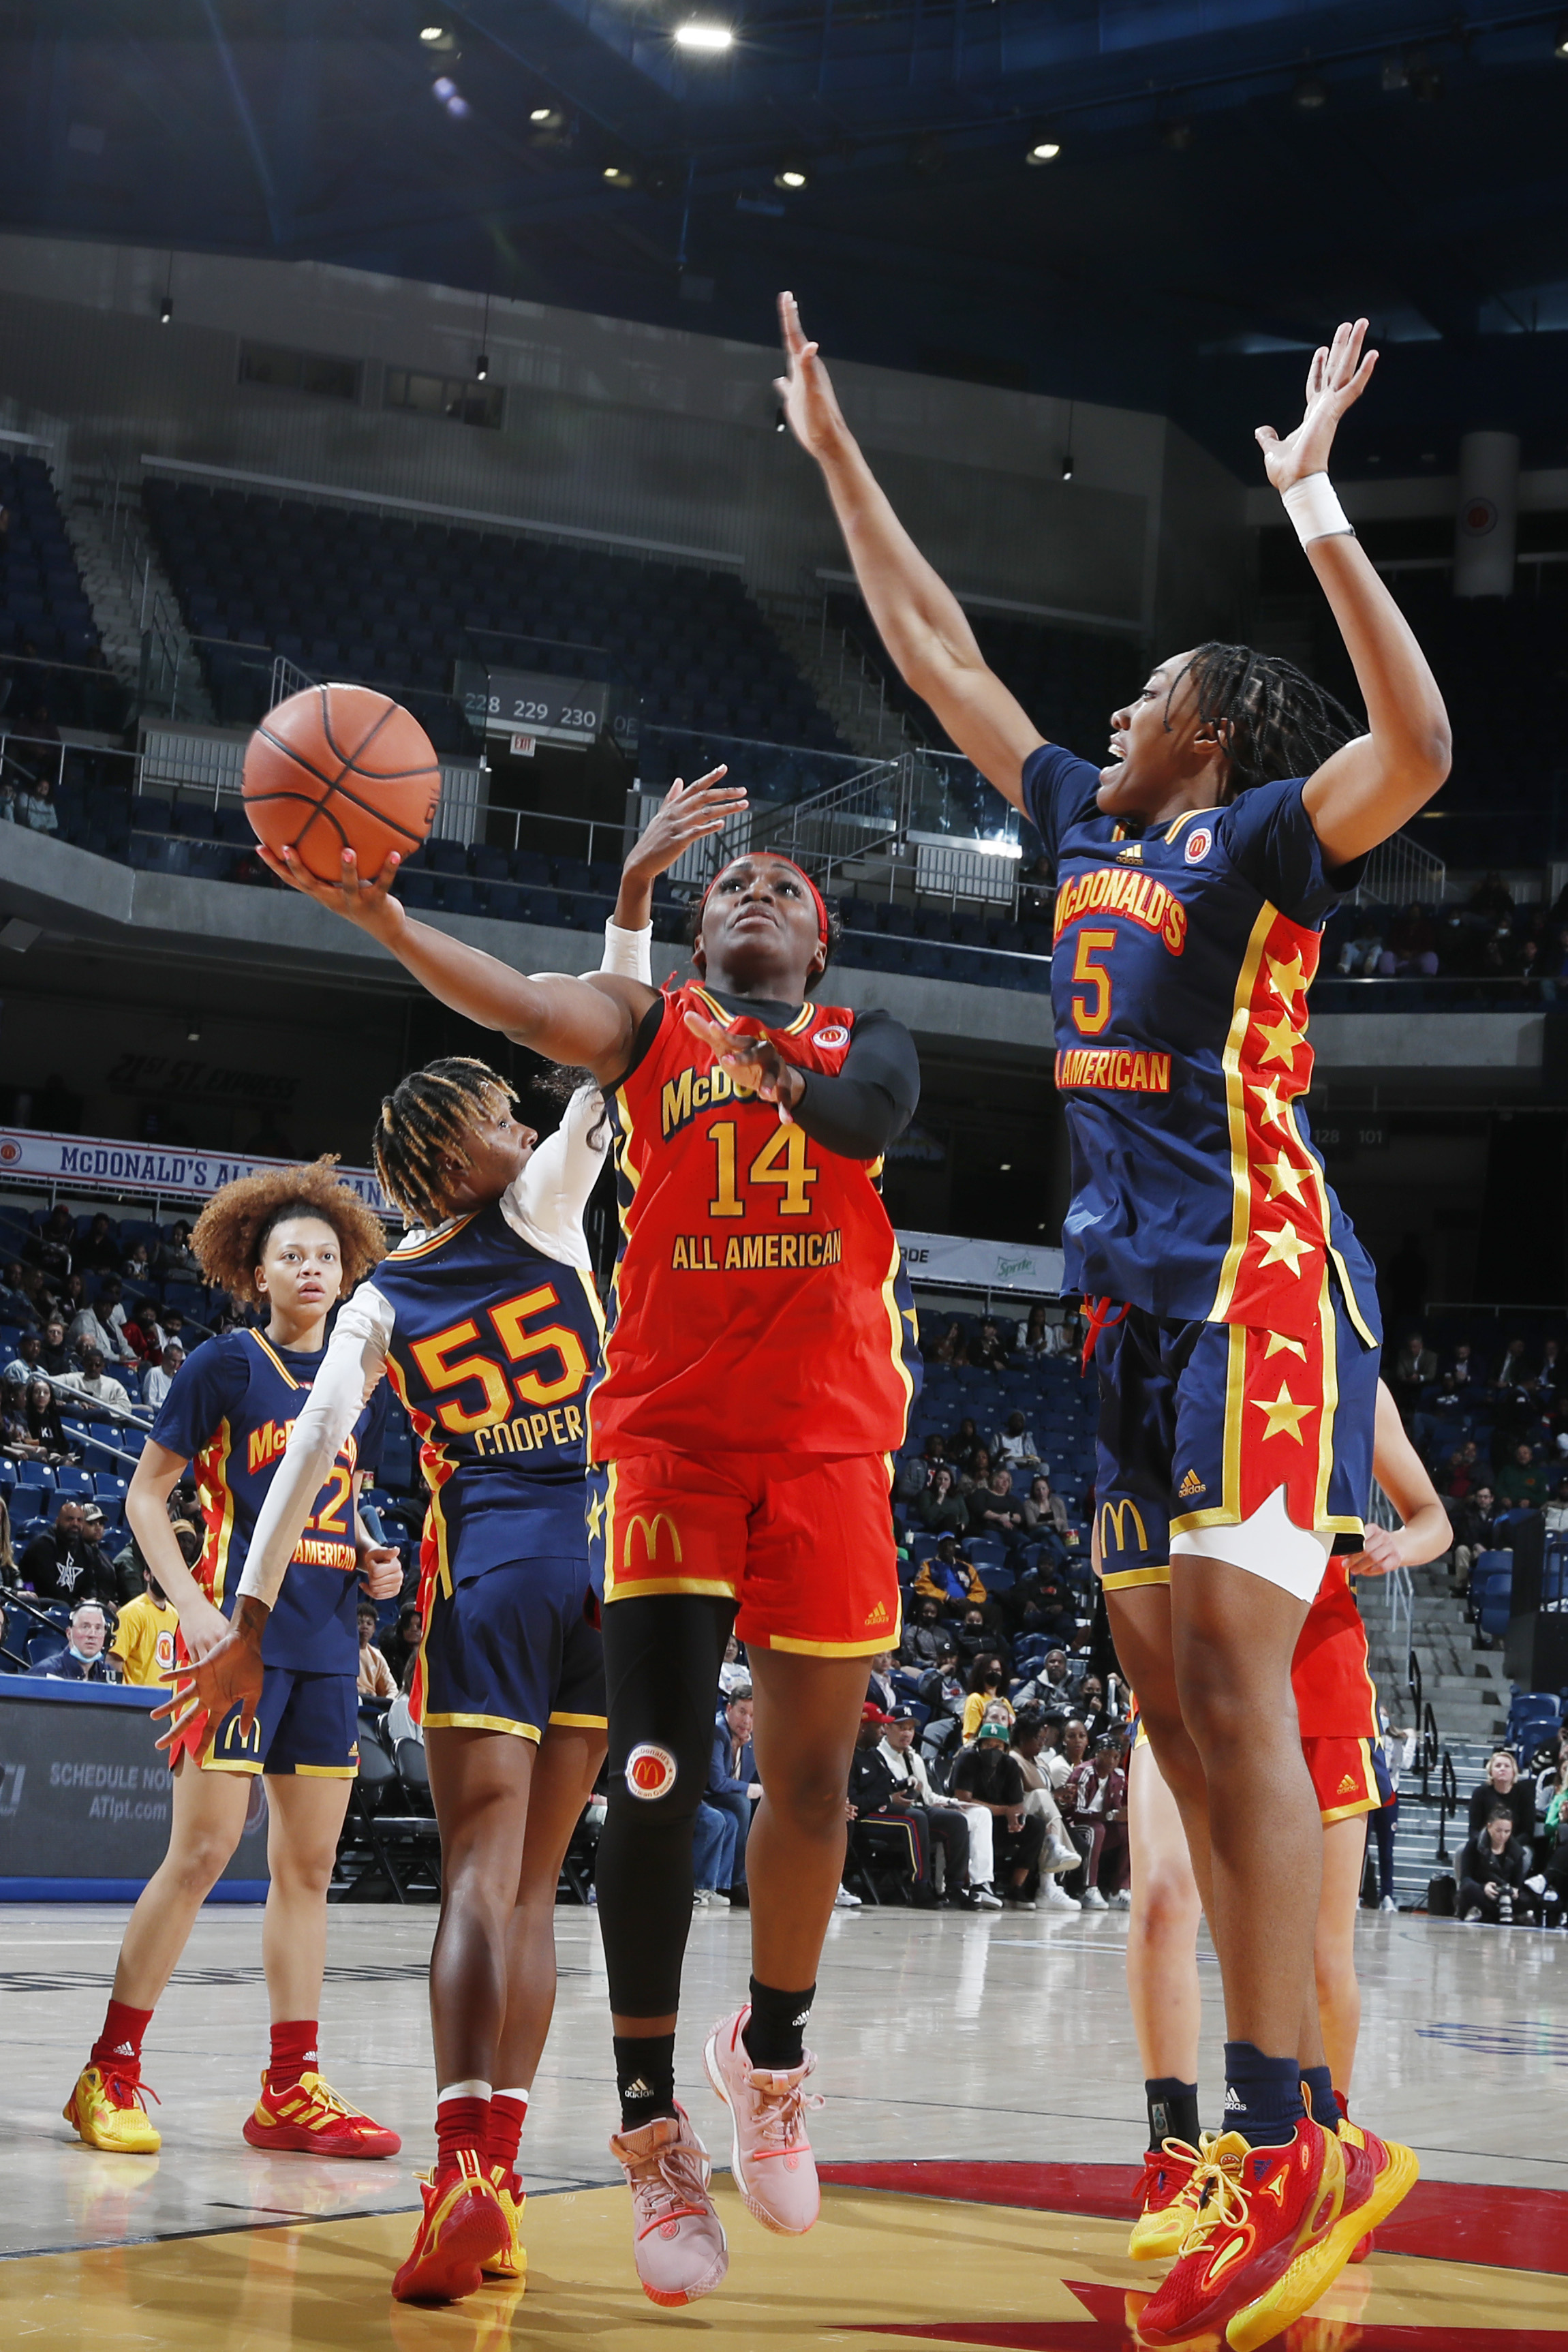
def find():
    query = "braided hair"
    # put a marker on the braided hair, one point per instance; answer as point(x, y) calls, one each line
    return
point(1274, 720)
point(428, 1119)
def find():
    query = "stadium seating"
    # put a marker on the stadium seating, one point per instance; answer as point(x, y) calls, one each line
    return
point(43, 604)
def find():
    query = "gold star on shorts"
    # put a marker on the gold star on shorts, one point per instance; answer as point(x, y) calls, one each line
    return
point(1284, 1413)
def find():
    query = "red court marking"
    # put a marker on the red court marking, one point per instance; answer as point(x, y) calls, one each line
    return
point(1109, 2329)
point(1501, 2229)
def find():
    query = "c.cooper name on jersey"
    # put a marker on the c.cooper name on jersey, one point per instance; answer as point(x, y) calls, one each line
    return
point(1122, 890)
point(525, 1433)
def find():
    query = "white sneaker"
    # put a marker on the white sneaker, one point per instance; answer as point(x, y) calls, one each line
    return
point(1122, 1901)
point(701, 1897)
point(844, 1901)
point(678, 2240)
point(1388, 1903)
point(1094, 1900)
point(1057, 1897)
point(1062, 1857)
point(986, 1898)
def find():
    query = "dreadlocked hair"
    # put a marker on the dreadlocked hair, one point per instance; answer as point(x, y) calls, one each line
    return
point(233, 1228)
point(1274, 720)
point(429, 1117)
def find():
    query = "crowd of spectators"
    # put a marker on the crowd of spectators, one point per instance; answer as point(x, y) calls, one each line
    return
point(1513, 1869)
point(1489, 936)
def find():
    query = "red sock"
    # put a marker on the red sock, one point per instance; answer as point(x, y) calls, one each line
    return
point(506, 2112)
point(293, 2054)
point(461, 2123)
point(118, 2050)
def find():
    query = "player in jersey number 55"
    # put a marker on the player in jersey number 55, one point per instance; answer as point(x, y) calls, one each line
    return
point(291, 1241)
point(759, 1366)
point(1194, 872)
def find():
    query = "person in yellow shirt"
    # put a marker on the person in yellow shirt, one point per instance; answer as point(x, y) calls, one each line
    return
point(144, 1637)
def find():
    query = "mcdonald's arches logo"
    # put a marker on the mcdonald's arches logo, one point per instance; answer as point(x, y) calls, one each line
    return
point(650, 1530)
point(649, 1770)
point(1114, 1516)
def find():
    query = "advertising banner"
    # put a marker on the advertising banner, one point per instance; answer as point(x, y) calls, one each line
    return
point(981, 1266)
point(163, 1171)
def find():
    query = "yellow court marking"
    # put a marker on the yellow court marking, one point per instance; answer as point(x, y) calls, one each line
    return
point(875, 2262)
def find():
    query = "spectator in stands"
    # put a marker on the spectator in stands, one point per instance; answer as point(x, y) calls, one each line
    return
point(97, 1252)
point(1464, 1367)
point(55, 1356)
point(111, 1311)
point(1043, 1509)
point(1013, 1447)
point(1491, 1876)
point(16, 1305)
point(1548, 1381)
point(994, 1509)
point(52, 1247)
point(28, 1361)
point(948, 1824)
point(1030, 1753)
point(1524, 1482)
point(950, 1348)
point(1412, 945)
point(1091, 1707)
point(1034, 1340)
point(1442, 1411)
point(137, 1270)
point(922, 1641)
point(1504, 1785)
point(158, 1382)
point(177, 1259)
point(1557, 1509)
point(713, 1855)
point(877, 1794)
point(987, 1775)
point(143, 1333)
point(1361, 947)
point(400, 1646)
point(1466, 1472)
point(1470, 1517)
point(732, 1781)
point(93, 1383)
point(988, 1350)
point(964, 1440)
point(974, 1470)
point(735, 1673)
point(10, 1576)
point(941, 1509)
point(1040, 1604)
point(949, 1579)
point(1414, 1365)
point(1055, 1680)
point(85, 1658)
point(376, 1680)
point(911, 1477)
point(974, 1636)
point(171, 1323)
point(44, 1422)
point(1492, 898)
point(1093, 1804)
point(36, 808)
point(87, 1328)
point(987, 1677)
point(144, 1637)
point(941, 1690)
point(16, 1437)
point(1512, 1376)
point(879, 1681)
point(61, 1564)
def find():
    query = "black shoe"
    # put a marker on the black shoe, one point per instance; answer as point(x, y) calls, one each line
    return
point(739, 1898)
point(924, 1898)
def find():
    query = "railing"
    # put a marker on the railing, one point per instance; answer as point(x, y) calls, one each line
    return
point(1399, 871)
point(165, 663)
point(1449, 1786)
point(288, 679)
point(865, 816)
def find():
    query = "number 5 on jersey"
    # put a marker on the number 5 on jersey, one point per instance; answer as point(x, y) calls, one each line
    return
point(1091, 1017)
point(443, 1367)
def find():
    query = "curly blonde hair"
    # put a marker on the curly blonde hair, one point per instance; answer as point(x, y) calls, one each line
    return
point(231, 1231)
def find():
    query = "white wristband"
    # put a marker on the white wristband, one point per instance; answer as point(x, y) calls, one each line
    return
point(1315, 510)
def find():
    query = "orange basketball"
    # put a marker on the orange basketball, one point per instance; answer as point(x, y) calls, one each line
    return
point(341, 767)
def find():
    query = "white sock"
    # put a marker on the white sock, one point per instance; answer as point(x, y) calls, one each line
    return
point(471, 2090)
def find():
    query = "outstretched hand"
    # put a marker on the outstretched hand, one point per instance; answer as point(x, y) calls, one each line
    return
point(806, 393)
point(367, 903)
point(1336, 379)
point(689, 812)
point(230, 1674)
point(754, 1066)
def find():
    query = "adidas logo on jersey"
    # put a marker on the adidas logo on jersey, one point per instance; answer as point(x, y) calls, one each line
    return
point(1191, 1485)
point(877, 1616)
point(1131, 853)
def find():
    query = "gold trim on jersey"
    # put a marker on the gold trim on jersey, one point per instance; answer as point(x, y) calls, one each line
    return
point(406, 1251)
point(807, 1013)
point(270, 1353)
point(896, 1317)
point(1187, 817)
point(1236, 1121)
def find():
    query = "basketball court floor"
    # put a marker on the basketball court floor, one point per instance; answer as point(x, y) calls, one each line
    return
point(980, 2140)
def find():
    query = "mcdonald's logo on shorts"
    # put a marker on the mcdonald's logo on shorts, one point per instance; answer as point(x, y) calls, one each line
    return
point(1114, 1516)
point(650, 1530)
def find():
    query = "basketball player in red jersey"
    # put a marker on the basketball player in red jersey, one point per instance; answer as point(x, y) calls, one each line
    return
point(760, 1368)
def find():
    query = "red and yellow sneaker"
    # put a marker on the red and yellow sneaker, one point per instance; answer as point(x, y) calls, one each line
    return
point(1379, 2174)
point(1167, 2200)
point(311, 2119)
point(512, 2261)
point(461, 2231)
point(1241, 2272)
point(109, 2111)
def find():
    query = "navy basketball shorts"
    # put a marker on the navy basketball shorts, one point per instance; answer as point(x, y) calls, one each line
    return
point(514, 1649)
point(306, 1724)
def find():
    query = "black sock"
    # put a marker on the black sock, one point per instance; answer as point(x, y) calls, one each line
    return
point(1172, 2110)
point(1262, 2096)
point(1317, 2084)
point(774, 2034)
point(645, 2077)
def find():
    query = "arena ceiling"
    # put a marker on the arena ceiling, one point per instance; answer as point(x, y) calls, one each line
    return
point(1229, 177)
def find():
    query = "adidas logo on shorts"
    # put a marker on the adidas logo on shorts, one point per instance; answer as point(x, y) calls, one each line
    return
point(1191, 1485)
point(1347, 1785)
point(877, 1616)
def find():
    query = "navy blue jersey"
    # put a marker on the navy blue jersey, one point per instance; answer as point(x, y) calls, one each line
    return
point(1179, 978)
point(491, 1346)
point(230, 1410)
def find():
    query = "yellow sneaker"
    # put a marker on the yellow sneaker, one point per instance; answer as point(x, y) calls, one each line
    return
point(107, 2111)
point(512, 2261)
point(1167, 2200)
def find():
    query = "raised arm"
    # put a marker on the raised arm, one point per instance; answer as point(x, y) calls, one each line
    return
point(1369, 788)
point(690, 813)
point(918, 618)
point(591, 1021)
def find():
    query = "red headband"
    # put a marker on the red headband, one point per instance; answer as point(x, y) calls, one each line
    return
point(817, 900)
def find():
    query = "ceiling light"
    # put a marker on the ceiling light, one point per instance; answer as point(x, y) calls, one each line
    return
point(780, 421)
point(444, 87)
point(620, 175)
point(544, 114)
point(432, 32)
point(458, 104)
point(1067, 467)
point(1044, 150)
point(482, 368)
point(1310, 93)
point(1560, 42)
point(704, 36)
point(1006, 1167)
point(193, 1033)
point(166, 309)
point(789, 176)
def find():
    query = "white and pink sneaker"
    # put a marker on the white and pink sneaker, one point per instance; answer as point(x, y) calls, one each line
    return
point(678, 2240)
point(770, 2155)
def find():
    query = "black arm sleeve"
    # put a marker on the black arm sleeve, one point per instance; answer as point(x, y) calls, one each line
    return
point(873, 1097)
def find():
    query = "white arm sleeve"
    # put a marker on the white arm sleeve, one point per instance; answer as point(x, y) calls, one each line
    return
point(354, 1362)
point(545, 1205)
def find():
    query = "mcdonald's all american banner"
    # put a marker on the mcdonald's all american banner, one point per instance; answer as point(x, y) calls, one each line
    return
point(96, 1164)
point(981, 1266)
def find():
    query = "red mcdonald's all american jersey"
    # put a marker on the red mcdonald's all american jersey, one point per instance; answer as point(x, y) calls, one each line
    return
point(758, 1299)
